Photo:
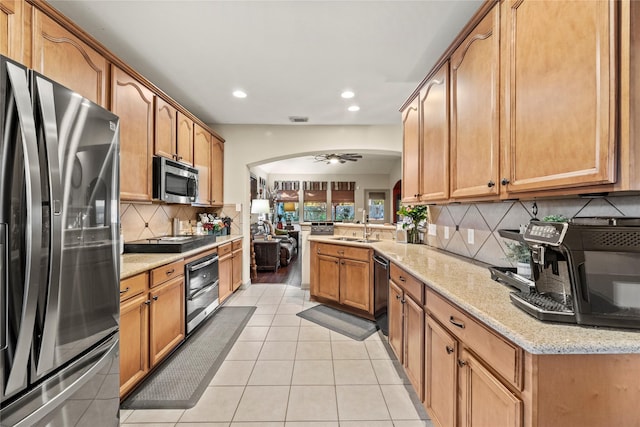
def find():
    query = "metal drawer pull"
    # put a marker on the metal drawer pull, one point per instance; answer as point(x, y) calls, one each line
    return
point(462, 363)
point(398, 296)
point(125, 291)
point(155, 298)
point(449, 349)
point(455, 322)
point(147, 302)
point(402, 279)
point(169, 272)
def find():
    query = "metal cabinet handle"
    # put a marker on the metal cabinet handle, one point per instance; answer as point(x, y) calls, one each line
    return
point(455, 322)
point(398, 296)
point(155, 298)
point(504, 181)
point(170, 272)
point(491, 184)
point(402, 279)
point(449, 349)
point(125, 291)
point(336, 261)
point(147, 302)
point(462, 363)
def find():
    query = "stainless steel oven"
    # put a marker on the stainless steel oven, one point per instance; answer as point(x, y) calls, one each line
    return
point(201, 290)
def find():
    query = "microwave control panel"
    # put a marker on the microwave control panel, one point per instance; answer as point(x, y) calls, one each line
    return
point(549, 233)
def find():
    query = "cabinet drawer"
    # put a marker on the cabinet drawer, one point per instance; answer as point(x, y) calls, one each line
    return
point(410, 284)
point(343, 251)
point(224, 249)
point(162, 274)
point(237, 244)
point(133, 286)
point(503, 357)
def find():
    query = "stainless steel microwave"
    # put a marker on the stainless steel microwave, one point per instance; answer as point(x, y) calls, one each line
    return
point(174, 182)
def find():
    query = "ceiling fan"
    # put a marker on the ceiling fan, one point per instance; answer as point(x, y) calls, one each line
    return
point(337, 158)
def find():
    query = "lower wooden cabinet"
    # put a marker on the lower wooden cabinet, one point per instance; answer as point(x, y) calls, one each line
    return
point(343, 275)
point(236, 265)
point(406, 326)
point(441, 374)
point(225, 271)
point(134, 342)
point(166, 319)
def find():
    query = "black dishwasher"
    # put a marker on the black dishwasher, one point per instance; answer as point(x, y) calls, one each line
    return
point(381, 290)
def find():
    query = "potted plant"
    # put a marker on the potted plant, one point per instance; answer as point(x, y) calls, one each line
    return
point(519, 254)
point(412, 218)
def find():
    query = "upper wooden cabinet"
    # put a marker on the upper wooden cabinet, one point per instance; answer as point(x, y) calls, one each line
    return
point(12, 29)
point(185, 139)
point(202, 162)
point(560, 87)
point(475, 70)
point(63, 57)
point(133, 103)
point(434, 159)
point(217, 171)
point(166, 129)
point(411, 152)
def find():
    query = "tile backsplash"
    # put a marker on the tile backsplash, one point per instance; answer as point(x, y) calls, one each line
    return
point(454, 221)
point(140, 221)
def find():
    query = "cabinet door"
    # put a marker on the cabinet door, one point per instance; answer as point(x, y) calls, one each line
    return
point(64, 58)
point(165, 129)
point(185, 139)
point(167, 318)
point(474, 112)
point(441, 368)
point(484, 400)
point(411, 153)
point(134, 342)
point(328, 280)
point(414, 344)
point(434, 110)
point(561, 85)
point(396, 323)
point(11, 29)
point(217, 172)
point(133, 103)
point(355, 284)
point(225, 270)
point(202, 162)
point(237, 269)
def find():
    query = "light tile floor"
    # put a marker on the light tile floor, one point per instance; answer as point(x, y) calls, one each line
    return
point(287, 372)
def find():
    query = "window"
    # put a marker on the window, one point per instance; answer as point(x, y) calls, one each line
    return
point(286, 208)
point(288, 211)
point(343, 206)
point(315, 201)
point(376, 202)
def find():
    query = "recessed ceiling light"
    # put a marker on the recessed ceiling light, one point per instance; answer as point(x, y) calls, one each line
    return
point(347, 94)
point(239, 94)
point(353, 108)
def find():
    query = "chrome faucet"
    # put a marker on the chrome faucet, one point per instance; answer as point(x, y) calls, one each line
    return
point(365, 232)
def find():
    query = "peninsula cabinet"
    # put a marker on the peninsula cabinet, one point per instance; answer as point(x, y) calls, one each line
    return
point(560, 80)
point(185, 139)
point(475, 144)
point(133, 103)
point(202, 162)
point(12, 29)
point(342, 275)
point(406, 324)
point(66, 59)
point(166, 129)
point(217, 171)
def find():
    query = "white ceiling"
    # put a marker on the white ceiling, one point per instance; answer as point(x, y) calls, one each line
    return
point(371, 163)
point(291, 57)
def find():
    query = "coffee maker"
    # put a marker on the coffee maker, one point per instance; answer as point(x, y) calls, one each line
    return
point(585, 271)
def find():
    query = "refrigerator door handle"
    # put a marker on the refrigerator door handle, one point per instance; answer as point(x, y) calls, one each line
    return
point(17, 77)
point(45, 107)
point(4, 318)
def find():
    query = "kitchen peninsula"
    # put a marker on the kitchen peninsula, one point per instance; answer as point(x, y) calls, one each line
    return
point(504, 364)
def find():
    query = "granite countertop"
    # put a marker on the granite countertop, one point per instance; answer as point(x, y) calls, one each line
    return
point(468, 285)
point(135, 263)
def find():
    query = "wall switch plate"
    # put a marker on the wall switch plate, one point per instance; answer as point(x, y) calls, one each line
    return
point(470, 236)
point(446, 232)
point(433, 229)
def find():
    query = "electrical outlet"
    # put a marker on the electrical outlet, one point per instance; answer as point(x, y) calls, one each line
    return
point(446, 232)
point(470, 236)
point(433, 229)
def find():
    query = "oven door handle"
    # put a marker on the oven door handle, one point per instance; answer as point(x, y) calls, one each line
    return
point(203, 290)
point(197, 267)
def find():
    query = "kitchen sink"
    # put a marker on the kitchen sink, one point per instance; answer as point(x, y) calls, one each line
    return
point(347, 239)
point(366, 240)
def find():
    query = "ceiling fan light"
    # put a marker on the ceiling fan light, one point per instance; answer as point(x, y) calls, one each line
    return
point(353, 108)
point(334, 160)
point(347, 94)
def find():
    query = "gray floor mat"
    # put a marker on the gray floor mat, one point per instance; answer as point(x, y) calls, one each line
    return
point(344, 323)
point(181, 380)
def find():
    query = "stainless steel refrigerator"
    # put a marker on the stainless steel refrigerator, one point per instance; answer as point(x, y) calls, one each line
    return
point(59, 255)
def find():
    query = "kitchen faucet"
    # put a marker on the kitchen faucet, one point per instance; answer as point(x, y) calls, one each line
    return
point(365, 232)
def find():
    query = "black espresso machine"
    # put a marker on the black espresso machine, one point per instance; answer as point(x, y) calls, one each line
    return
point(585, 271)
